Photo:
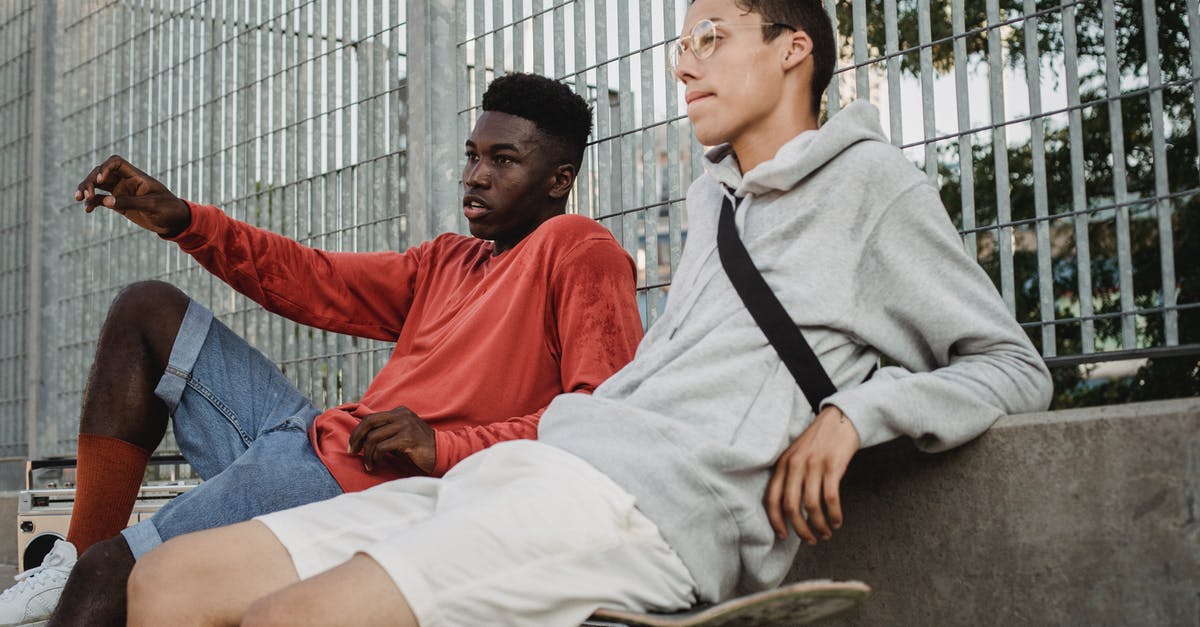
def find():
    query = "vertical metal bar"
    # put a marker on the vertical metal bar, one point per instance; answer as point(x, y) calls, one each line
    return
point(583, 181)
point(1162, 187)
point(432, 85)
point(1083, 255)
point(559, 28)
point(924, 37)
point(891, 46)
point(1193, 18)
point(625, 143)
point(833, 92)
point(649, 157)
point(1040, 202)
point(604, 115)
point(1124, 247)
point(37, 337)
point(1000, 156)
point(480, 55)
point(498, 57)
point(675, 186)
point(966, 153)
point(862, 77)
point(518, 34)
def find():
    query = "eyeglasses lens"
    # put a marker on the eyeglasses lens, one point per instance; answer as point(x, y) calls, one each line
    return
point(704, 39)
point(701, 42)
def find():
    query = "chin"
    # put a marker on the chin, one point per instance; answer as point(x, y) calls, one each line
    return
point(707, 135)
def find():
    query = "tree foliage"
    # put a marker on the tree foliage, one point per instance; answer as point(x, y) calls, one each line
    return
point(1159, 377)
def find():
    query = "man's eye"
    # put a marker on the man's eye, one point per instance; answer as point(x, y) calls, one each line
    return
point(472, 157)
point(504, 160)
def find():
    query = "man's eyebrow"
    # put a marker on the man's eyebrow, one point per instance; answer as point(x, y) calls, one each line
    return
point(497, 147)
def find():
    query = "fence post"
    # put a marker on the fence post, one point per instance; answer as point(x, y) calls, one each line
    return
point(434, 79)
point(42, 190)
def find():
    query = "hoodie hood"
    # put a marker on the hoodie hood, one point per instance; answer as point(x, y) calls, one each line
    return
point(799, 157)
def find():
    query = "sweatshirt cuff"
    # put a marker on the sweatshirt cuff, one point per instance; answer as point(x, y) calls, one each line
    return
point(860, 408)
point(196, 233)
point(443, 442)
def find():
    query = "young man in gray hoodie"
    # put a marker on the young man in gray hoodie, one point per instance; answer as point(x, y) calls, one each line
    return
point(695, 472)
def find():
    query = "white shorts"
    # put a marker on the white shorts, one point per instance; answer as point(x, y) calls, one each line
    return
point(521, 533)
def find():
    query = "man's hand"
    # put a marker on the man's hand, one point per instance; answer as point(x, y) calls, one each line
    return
point(135, 195)
point(807, 476)
point(395, 432)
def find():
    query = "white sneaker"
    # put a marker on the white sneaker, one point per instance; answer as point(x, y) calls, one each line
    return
point(35, 595)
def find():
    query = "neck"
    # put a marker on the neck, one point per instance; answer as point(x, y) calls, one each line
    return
point(510, 240)
point(761, 143)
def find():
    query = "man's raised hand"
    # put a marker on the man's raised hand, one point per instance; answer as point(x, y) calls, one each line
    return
point(135, 195)
point(397, 432)
point(804, 486)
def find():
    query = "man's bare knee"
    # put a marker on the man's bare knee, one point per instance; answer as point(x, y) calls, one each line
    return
point(162, 584)
point(150, 589)
point(148, 304)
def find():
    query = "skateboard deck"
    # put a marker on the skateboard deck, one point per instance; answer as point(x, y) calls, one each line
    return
point(793, 604)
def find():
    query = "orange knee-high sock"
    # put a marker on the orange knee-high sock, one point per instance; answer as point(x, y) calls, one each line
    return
point(106, 485)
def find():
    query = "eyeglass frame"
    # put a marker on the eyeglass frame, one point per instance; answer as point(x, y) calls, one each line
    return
point(675, 49)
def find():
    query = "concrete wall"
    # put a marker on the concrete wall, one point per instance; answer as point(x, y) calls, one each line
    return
point(1081, 517)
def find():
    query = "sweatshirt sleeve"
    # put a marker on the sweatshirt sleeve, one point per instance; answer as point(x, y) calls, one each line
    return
point(923, 302)
point(593, 325)
point(361, 294)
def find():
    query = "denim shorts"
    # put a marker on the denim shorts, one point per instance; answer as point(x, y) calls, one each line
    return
point(242, 425)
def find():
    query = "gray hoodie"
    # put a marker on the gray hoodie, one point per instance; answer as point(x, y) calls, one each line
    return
point(858, 247)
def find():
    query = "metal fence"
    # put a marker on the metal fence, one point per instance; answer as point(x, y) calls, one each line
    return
point(1063, 135)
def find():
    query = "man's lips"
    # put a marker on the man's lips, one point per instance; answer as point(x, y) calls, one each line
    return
point(693, 96)
point(474, 207)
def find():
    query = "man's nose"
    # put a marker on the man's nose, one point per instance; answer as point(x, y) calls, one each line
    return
point(476, 175)
point(685, 66)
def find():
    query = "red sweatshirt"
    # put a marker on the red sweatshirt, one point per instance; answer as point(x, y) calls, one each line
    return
point(483, 343)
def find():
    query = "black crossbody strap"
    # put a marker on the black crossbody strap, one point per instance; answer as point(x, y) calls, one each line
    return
point(769, 313)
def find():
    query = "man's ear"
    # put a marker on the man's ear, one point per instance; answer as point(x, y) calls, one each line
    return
point(564, 180)
point(800, 47)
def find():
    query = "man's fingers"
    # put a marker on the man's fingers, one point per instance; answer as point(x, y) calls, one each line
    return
point(91, 203)
point(87, 187)
point(833, 501)
point(359, 433)
point(115, 167)
point(367, 448)
point(773, 499)
point(382, 439)
point(793, 494)
point(812, 502)
point(355, 438)
point(129, 203)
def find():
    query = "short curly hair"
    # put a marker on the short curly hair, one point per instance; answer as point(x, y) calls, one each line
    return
point(549, 104)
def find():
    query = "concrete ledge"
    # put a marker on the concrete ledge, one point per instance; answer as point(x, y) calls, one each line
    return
point(1080, 517)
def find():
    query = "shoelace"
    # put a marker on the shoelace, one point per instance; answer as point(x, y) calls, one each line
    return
point(26, 579)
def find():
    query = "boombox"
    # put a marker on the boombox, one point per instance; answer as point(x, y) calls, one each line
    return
point(44, 507)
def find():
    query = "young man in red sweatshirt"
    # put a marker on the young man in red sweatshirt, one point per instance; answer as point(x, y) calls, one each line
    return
point(488, 329)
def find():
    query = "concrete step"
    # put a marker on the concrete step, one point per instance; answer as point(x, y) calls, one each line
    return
point(1080, 517)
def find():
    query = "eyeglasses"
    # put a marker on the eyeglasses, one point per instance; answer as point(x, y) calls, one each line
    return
point(703, 40)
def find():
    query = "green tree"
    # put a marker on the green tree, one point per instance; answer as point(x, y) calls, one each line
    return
point(1159, 377)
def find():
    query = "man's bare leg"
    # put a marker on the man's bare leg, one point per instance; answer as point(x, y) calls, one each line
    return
point(357, 593)
point(119, 402)
point(241, 574)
